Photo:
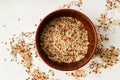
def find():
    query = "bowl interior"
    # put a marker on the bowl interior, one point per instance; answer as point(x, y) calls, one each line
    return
point(92, 38)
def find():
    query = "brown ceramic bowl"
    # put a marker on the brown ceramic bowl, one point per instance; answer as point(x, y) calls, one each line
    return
point(92, 38)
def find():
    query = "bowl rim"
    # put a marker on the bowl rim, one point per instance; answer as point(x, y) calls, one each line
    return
point(94, 31)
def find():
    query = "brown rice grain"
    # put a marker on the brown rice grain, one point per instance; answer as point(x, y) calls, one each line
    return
point(65, 39)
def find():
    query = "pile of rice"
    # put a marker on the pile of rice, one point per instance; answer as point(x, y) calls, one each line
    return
point(64, 39)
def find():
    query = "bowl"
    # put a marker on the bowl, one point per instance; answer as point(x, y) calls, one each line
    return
point(92, 38)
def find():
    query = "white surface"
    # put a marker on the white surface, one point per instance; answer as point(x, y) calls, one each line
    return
point(30, 12)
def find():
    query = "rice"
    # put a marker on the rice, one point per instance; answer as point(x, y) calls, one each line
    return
point(64, 39)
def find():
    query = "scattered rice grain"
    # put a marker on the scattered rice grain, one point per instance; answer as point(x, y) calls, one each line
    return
point(72, 4)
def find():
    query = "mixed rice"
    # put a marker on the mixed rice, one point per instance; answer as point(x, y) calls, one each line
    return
point(65, 39)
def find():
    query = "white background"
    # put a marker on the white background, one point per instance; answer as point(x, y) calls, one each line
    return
point(30, 12)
